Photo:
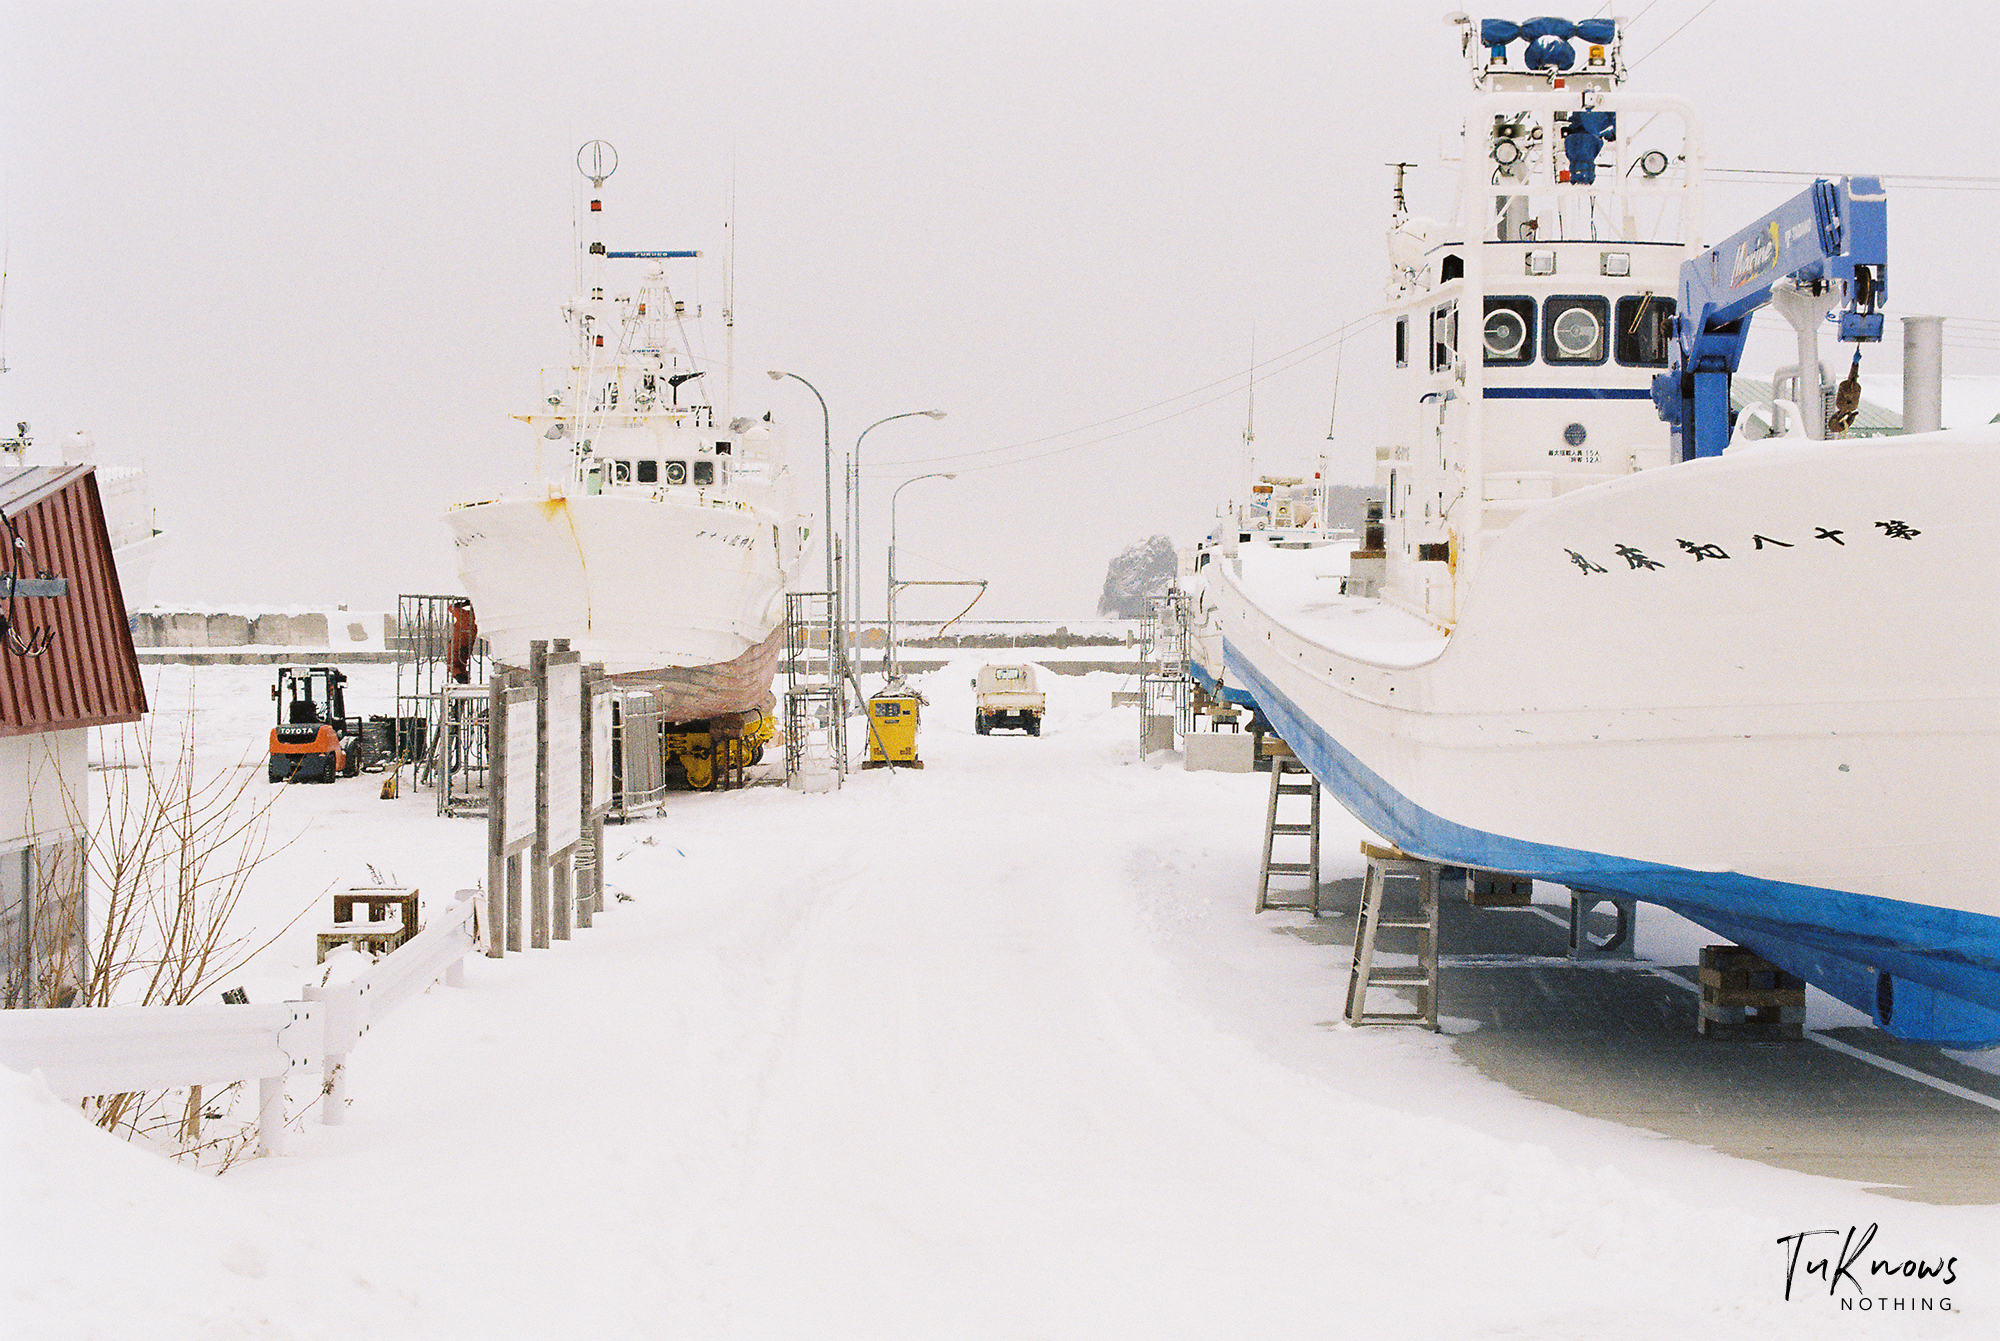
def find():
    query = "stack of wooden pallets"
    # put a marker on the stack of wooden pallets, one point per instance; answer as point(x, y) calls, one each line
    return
point(1744, 996)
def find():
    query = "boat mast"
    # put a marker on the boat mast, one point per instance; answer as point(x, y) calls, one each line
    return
point(729, 303)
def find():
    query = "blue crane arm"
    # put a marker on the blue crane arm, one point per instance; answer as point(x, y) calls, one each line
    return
point(1834, 232)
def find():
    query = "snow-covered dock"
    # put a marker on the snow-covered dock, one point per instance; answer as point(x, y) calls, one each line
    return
point(992, 1050)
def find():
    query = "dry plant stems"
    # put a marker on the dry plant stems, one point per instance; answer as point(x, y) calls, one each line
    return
point(167, 861)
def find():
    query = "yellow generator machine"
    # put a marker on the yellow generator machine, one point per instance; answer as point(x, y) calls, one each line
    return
point(892, 728)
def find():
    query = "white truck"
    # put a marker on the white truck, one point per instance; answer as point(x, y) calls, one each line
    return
point(1005, 696)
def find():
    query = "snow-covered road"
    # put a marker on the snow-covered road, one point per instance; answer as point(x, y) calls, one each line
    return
point(994, 1049)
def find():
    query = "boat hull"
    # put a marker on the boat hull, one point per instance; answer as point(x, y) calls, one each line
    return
point(680, 594)
point(1791, 737)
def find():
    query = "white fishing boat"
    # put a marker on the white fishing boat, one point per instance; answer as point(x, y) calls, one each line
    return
point(1756, 682)
point(124, 492)
point(661, 536)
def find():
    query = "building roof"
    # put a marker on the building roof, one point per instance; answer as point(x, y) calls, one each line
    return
point(85, 672)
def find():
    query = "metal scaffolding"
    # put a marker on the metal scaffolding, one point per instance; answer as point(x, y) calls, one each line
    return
point(638, 768)
point(463, 761)
point(815, 707)
point(436, 649)
point(1166, 698)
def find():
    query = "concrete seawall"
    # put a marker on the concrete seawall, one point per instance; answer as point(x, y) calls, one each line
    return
point(336, 629)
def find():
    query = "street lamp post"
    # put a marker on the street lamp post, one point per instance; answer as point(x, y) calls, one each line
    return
point(833, 591)
point(826, 448)
point(854, 517)
point(889, 650)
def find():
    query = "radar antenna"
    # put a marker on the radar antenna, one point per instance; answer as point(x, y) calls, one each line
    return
point(597, 160)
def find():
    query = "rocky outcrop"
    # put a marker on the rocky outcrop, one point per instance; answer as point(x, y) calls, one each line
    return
point(1142, 572)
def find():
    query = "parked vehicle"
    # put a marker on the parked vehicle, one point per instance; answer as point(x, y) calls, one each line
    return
point(1007, 699)
point(315, 740)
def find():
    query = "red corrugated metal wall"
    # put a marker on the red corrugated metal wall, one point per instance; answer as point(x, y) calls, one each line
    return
point(89, 676)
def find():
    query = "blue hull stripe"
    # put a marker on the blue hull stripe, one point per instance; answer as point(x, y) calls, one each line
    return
point(1565, 393)
point(1839, 941)
point(1212, 686)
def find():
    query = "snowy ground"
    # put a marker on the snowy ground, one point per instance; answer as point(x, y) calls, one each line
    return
point(995, 1049)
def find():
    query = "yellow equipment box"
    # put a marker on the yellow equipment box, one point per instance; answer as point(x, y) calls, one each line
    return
point(892, 730)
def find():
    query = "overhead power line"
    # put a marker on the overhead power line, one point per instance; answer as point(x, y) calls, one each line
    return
point(1905, 182)
point(1270, 367)
point(1676, 32)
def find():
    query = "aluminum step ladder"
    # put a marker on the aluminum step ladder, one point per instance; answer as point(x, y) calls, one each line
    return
point(1289, 777)
point(1411, 885)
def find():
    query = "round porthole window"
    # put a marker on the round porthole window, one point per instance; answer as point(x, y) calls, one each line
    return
point(1578, 333)
point(1506, 332)
point(677, 472)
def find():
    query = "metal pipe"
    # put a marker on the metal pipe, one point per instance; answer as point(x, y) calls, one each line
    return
point(833, 641)
point(854, 512)
point(1923, 374)
point(889, 656)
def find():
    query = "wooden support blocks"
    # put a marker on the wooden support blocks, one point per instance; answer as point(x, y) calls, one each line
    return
point(1496, 889)
point(1744, 996)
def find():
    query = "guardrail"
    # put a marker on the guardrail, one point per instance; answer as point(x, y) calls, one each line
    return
point(349, 1009)
point(116, 1049)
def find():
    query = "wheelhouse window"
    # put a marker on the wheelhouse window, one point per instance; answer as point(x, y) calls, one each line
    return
point(649, 472)
point(1402, 342)
point(704, 473)
point(1573, 330)
point(1645, 331)
point(677, 472)
point(1509, 333)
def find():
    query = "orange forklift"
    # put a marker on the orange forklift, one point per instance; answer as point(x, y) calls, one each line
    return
point(315, 740)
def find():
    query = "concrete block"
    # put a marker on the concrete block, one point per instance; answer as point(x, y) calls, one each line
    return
point(1219, 752)
point(357, 632)
point(183, 629)
point(310, 629)
point(228, 631)
point(145, 629)
point(271, 630)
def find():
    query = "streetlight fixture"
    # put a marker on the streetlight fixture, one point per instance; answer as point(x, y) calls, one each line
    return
point(854, 517)
point(826, 451)
point(834, 658)
point(889, 651)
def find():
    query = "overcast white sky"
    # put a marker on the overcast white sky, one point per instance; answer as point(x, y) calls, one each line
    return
point(302, 261)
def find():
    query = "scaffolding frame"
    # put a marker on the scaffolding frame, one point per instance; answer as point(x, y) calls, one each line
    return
point(1166, 685)
point(638, 768)
point(814, 701)
point(422, 641)
point(463, 758)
